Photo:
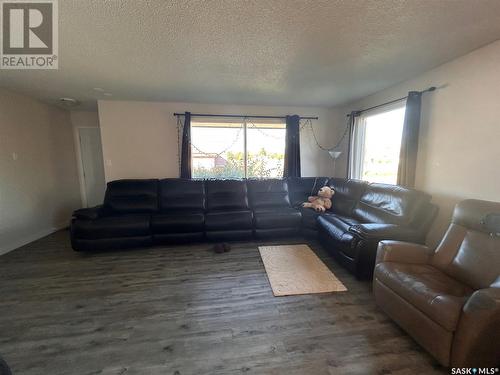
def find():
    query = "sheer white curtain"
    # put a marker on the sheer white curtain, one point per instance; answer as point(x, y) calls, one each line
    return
point(357, 147)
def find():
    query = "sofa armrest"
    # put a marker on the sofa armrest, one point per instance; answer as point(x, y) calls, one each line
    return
point(384, 232)
point(90, 213)
point(403, 252)
point(484, 300)
point(478, 330)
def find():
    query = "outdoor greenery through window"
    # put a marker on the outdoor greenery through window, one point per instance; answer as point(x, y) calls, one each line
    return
point(376, 145)
point(237, 149)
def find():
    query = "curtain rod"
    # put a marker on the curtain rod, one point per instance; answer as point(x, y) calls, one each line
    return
point(246, 116)
point(432, 88)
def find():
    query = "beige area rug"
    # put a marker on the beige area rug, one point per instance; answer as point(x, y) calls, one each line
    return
point(295, 269)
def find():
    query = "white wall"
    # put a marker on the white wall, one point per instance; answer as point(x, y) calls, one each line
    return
point(38, 177)
point(459, 149)
point(139, 139)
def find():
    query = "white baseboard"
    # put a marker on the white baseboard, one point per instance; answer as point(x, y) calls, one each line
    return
point(5, 248)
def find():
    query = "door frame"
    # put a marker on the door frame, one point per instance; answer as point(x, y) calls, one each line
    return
point(78, 152)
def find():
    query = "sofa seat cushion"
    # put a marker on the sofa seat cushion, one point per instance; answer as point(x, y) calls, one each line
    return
point(309, 217)
point(178, 222)
point(426, 288)
point(337, 227)
point(336, 224)
point(113, 227)
point(228, 220)
point(344, 222)
point(277, 218)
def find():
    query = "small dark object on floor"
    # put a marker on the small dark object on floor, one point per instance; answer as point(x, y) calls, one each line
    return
point(4, 368)
point(219, 248)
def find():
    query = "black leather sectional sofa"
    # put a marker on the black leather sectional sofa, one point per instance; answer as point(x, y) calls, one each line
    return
point(139, 213)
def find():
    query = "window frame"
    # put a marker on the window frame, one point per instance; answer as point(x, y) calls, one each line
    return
point(358, 137)
point(244, 126)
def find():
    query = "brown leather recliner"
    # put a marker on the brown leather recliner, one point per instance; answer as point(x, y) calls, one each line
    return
point(448, 299)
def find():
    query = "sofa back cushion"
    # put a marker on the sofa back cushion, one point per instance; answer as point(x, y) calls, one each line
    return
point(271, 193)
point(470, 249)
point(226, 195)
point(178, 194)
point(347, 194)
point(390, 204)
point(132, 196)
point(299, 188)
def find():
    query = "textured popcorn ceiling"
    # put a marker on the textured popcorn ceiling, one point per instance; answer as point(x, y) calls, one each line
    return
point(275, 52)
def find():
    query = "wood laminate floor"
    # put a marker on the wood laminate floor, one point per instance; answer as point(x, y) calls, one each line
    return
point(184, 310)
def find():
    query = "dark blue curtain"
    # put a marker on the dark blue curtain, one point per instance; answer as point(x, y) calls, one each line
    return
point(186, 147)
point(409, 140)
point(292, 147)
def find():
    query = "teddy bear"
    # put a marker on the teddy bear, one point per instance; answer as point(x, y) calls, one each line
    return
point(322, 201)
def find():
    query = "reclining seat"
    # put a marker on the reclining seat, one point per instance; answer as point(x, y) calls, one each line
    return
point(273, 215)
point(381, 212)
point(334, 227)
point(122, 221)
point(182, 206)
point(448, 299)
point(228, 215)
point(299, 189)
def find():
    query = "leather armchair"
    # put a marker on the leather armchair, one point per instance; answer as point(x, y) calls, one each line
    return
point(448, 299)
point(405, 252)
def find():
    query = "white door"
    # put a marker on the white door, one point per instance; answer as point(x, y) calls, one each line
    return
point(92, 165)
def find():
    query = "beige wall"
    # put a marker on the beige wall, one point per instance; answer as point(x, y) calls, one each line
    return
point(339, 122)
point(139, 139)
point(85, 119)
point(459, 152)
point(38, 177)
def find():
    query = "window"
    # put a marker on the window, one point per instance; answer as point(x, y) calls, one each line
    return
point(376, 144)
point(237, 149)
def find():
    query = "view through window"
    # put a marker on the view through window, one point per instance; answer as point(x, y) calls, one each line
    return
point(376, 145)
point(237, 149)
